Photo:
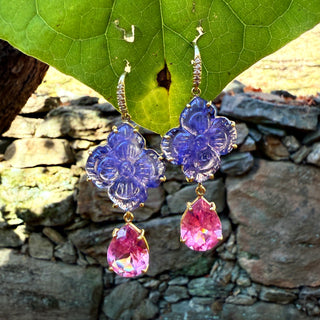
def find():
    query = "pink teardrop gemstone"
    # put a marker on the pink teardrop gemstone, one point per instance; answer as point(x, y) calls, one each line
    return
point(127, 254)
point(201, 228)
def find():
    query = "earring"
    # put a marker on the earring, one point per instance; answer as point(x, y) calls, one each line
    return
point(126, 169)
point(197, 145)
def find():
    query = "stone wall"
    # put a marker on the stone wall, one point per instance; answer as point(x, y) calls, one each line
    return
point(55, 226)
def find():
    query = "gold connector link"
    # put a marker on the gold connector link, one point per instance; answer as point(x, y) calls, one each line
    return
point(128, 217)
point(234, 146)
point(200, 190)
point(163, 178)
point(115, 129)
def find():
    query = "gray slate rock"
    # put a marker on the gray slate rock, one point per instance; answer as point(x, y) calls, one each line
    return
point(40, 247)
point(126, 296)
point(180, 281)
point(277, 241)
point(175, 294)
point(255, 134)
point(81, 144)
point(241, 299)
point(314, 156)
point(40, 104)
point(236, 164)
point(172, 186)
point(24, 153)
point(174, 173)
point(309, 292)
point(243, 280)
point(53, 235)
point(278, 295)
point(201, 305)
point(39, 196)
point(84, 101)
point(187, 316)
point(88, 122)
point(154, 296)
point(235, 86)
point(202, 287)
point(312, 136)
point(248, 145)
point(215, 192)
point(243, 107)
point(300, 155)
point(291, 143)
point(274, 148)
point(37, 289)
point(22, 127)
point(4, 143)
point(66, 252)
point(242, 132)
point(208, 287)
point(150, 283)
point(267, 130)
point(194, 308)
point(145, 311)
point(93, 203)
point(12, 238)
point(261, 311)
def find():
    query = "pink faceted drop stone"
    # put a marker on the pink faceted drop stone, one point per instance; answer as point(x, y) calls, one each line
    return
point(128, 255)
point(201, 228)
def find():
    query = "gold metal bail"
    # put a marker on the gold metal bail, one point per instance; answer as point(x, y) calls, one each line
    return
point(200, 190)
point(197, 66)
point(128, 217)
point(121, 94)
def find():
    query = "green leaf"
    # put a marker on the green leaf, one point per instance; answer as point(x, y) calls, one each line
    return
point(90, 40)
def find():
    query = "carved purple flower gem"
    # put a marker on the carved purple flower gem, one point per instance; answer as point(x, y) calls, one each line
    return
point(199, 141)
point(125, 168)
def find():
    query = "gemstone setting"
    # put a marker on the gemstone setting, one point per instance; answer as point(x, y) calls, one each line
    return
point(200, 140)
point(125, 168)
point(200, 227)
point(128, 252)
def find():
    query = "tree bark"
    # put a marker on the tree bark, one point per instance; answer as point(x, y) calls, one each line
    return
point(20, 75)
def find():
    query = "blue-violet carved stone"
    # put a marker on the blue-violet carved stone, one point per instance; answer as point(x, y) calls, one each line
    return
point(199, 141)
point(125, 168)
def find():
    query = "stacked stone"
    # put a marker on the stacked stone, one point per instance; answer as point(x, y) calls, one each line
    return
point(55, 226)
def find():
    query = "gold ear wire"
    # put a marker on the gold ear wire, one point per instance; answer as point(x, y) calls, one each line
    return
point(196, 62)
point(121, 94)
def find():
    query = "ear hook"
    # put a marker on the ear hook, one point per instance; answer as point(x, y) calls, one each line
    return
point(121, 94)
point(196, 62)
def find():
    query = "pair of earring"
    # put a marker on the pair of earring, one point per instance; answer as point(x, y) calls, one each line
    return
point(125, 168)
